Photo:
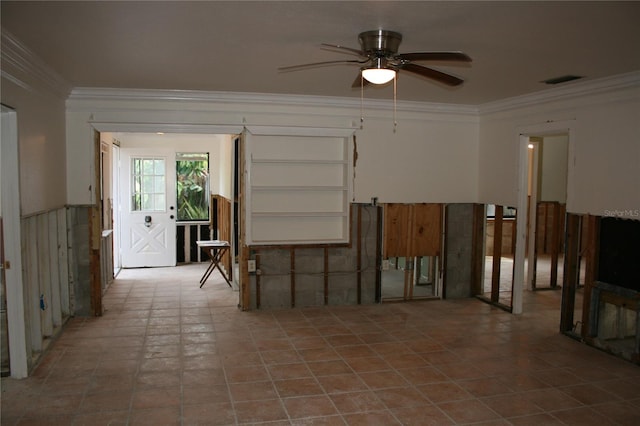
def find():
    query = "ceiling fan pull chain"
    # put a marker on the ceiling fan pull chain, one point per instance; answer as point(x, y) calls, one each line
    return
point(395, 91)
point(361, 101)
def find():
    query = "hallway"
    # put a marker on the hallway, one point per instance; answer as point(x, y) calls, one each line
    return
point(169, 353)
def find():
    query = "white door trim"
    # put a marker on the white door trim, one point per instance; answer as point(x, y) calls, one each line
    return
point(12, 243)
point(523, 134)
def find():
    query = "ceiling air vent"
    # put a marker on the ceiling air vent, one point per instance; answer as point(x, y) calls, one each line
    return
point(563, 79)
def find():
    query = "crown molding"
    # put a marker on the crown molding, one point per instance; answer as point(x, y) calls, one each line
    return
point(572, 90)
point(115, 94)
point(25, 69)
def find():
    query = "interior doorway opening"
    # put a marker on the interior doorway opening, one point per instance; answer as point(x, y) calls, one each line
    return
point(412, 251)
point(411, 278)
point(217, 180)
point(537, 179)
point(547, 159)
point(499, 249)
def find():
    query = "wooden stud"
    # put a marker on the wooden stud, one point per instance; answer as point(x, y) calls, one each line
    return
point(54, 276)
point(444, 250)
point(591, 269)
point(477, 249)
point(95, 231)
point(536, 245)
point(30, 242)
point(409, 236)
point(44, 272)
point(555, 242)
point(258, 288)
point(245, 293)
point(359, 256)
point(497, 255)
point(378, 291)
point(514, 224)
point(326, 275)
point(293, 277)
point(94, 262)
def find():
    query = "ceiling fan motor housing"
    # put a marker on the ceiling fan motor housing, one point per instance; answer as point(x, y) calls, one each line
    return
point(380, 42)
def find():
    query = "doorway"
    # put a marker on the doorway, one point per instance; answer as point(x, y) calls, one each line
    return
point(497, 287)
point(14, 347)
point(164, 146)
point(547, 200)
point(412, 251)
point(524, 262)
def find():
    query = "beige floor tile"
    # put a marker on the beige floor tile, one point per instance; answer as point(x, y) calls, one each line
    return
point(168, 352)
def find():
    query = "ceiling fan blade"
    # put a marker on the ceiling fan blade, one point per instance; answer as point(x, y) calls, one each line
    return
point(319, 64)
point(432, 74)
point(434, 56)
point(346, 49)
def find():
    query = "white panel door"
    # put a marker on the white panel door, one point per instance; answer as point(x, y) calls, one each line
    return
point(147, 206)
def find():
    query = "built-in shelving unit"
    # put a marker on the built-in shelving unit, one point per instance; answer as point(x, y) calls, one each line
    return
point(298, 187)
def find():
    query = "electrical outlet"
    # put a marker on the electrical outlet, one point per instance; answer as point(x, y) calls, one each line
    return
point(385, 264)
point(251, 265)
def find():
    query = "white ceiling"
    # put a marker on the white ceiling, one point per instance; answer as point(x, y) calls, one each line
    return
point(237, 46)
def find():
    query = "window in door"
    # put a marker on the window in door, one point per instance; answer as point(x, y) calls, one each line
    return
point(148, 184)
point(192, 186)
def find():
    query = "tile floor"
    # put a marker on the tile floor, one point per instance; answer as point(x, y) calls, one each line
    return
point(169, 353)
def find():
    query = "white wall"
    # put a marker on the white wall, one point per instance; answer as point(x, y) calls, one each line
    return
point(225, 167)
point(218, 147)
point(431, 157)
point(438, 153)
point(553, 176)
point(41, 140)
point(603, 121)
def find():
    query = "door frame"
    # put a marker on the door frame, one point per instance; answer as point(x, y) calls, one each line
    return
point(213, 129)
point(10, 190)
point(534, 169)
point(523, 135)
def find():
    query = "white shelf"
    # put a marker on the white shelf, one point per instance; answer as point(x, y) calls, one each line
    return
point(299, 214)
point(287, 161)
point(298, 188)
point(301, 188)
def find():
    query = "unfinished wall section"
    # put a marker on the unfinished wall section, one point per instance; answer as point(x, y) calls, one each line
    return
point(80, 262)
point(459, 253)
point(318, 275)
point(48, 296)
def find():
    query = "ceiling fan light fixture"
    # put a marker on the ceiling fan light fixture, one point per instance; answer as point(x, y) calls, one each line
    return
point(378, 75)
point(379, 72)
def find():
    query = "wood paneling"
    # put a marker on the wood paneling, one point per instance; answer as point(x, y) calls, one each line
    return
point(396, 230)
point(426, 230)
point(222, 215)
point(412, 230)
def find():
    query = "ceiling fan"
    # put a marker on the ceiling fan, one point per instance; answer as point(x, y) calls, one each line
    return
point(380, 60)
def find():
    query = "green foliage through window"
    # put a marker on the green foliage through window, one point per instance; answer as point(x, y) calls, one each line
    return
point(192, 185)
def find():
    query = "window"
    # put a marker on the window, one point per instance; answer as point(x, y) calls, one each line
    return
point(148, 180)
point(192, 186)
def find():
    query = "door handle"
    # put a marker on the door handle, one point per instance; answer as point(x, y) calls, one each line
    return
point(147, 221)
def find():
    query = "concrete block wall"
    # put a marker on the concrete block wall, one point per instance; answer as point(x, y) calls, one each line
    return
point(307, 279)
point(79, 261)
point(459, 251)
point(275, 279)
